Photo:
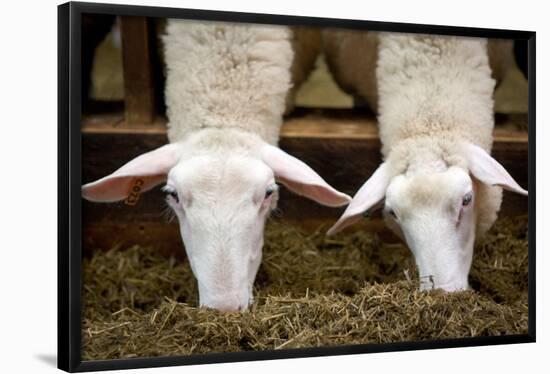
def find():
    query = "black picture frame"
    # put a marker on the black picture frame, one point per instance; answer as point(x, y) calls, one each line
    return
point(69, 185)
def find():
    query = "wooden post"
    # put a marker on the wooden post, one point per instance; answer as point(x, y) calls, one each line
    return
point(139, 95)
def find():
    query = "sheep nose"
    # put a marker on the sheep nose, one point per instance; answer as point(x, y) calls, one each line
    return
point(447, 287)
point(228, 307)
point(454, 287)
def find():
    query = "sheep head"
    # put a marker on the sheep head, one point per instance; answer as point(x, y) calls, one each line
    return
point(433, 208)
point(222, 191)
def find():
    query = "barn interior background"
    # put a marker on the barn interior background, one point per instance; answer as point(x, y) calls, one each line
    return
point(139, 294)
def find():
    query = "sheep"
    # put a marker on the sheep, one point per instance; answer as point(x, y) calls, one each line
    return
point(438, 184)
point(226, 88)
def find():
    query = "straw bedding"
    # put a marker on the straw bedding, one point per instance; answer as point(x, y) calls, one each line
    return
point(310, 291)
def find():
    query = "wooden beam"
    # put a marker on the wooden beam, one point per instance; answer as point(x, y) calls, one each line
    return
point(139, 92)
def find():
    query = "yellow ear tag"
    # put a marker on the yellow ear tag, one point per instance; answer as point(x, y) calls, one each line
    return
point(135, 191)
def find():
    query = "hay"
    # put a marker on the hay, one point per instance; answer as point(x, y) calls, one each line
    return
point(310, 291)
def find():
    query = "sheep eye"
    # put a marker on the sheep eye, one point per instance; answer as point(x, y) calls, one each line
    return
point(467, 199)
point(269, 191)
point(392, 213)
point(168, 191)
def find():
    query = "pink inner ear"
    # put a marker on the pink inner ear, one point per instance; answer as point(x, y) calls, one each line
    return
point(139, 175)
point(490, 171)
point(111, 189)
point(321, 192)
point(300, 178)
point(370, 194)
point(343, 222)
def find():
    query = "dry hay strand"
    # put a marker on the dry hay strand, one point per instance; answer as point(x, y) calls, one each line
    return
point(310, 291)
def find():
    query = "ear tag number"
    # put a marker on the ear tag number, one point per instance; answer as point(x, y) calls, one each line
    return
point(135, 191)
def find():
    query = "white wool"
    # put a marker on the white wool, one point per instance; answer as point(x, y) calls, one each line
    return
point(223, 75)
point(434, 86)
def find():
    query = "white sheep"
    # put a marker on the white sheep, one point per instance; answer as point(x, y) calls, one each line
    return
point(226, 88)
point(441, 186)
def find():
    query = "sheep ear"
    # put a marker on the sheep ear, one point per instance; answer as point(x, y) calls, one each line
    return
point(300, 178)
point(368, 196)
point(145, 171)
point(489, 171)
